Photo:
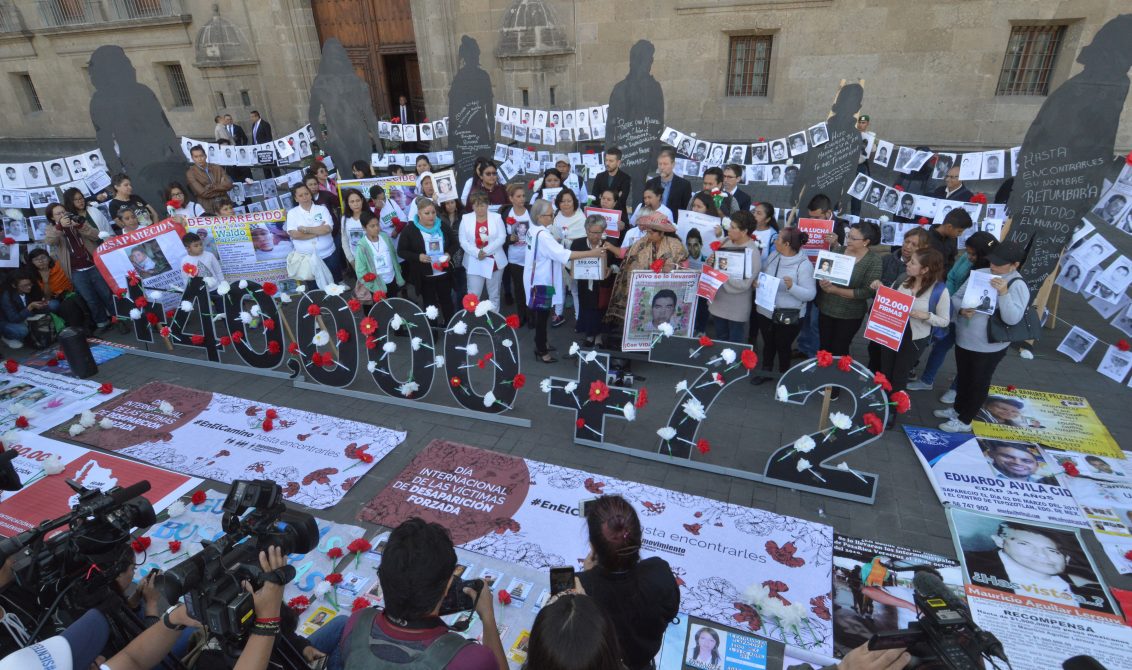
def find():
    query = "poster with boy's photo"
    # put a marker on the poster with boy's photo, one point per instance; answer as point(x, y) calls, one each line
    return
point(17, 229)
point(445, 183)
point(884, 153)
point(697, 231)
point(154, 253)
point(655, 299)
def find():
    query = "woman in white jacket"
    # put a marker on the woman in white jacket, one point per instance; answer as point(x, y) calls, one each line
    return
point(482, 234)
point(796, 288)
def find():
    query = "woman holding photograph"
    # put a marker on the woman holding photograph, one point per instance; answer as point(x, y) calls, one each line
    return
point(925, 281)
point(552, 178)
point(796, 288)
point(72, 239)
point(593, 294)
point(517, 217)
point(354, 221)
point(731, 308)
point(659, 244)
point(426, 246)
point(426, 188)
point(842, 308)
point(310, 227)
point(542, 272)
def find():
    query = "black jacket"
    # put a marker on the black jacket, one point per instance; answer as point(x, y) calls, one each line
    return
point(410, 246)
point(962, 195)
point(640, 602)
point(621, 185)
point(262, 134)
point(679, 193)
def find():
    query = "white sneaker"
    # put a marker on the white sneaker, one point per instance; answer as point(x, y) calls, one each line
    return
point(955, 426)
point(1026, 354)
point(13, 344)
point(948, 398)
point(948, 413)
point(917, 385)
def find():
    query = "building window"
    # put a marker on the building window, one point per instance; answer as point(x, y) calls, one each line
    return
point(178, 87)
point(1030, 57)
point(526, 97)
point(245, 98)
point(748, 69)
point(221, 103)
point(552, 102)
point(28, 93)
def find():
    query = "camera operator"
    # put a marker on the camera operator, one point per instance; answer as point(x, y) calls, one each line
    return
point(147, 650)
point(861, 658)
point(416, 573)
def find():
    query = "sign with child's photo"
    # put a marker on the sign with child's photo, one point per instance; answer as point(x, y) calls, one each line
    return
point(249, 246)
point(154, 254)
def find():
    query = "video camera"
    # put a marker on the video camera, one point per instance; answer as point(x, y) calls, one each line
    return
point(73, 569)
point(210, 580)
point(944, 632)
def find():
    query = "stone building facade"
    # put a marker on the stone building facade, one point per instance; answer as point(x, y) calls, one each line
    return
point(931, 69)
point(199, 58)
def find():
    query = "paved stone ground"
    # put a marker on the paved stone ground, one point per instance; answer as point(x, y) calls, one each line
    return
point(744, 427)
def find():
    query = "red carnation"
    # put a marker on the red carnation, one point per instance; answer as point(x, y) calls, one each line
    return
point(359, 603)
point(642, 397)
point(1011, 388)
point(343, 335)
point(53, 362)
point(140, 544)
point(882, 381)
point(11, 365)
point(1128, 554)
point(267, 425)
point(299, 604)
point(365, 458)
point(378, 296)
point(845, 363)
point(21, 422)
point(198, 340)
point(313, 310)
point(580, 423)
point(9, 241)
point(225, 341)
point(152, 319)
point(140, 302)
point(396, 119)
point(703, 446)
point(513, 321)
point(519, 381)
point(716, 245)
point(368, 277)
point(825, 359)
point(979, 198)
point(359, 545)
point(749, 359)
point(903, 402)
point(334, 578)
point(470, 301)
point(270, 289)
point(190, 269)
point(293, 348)
point(873, 424)
point(165, 331)
point(898, 187)
point(269, 324)
point(510, 220)
point(316, 360)
point(174, 546)
point(198, 498)
point(705, 341)
point(504, 597)
point(1122, 345)
point(120, 293)
point(657, 265)
point(273, 347)
point(335, 552)
point(762, 139)
point(1128, 158)
point(354, 304)
point(106, 388)
point(455, 382)
point(923, 221)
point(271, 414)
point(599, 391)
point(1070, 468)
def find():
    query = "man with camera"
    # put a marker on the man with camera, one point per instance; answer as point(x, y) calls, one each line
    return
point(417, 580)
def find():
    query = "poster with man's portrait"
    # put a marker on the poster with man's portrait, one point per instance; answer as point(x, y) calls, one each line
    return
point(445, 183)
point(657, 298)
point(154, 253)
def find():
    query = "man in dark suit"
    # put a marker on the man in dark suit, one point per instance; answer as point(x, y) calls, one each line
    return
point(676, 191)
point(1031, 561)
point(239, 137)
point(952, 188)
point(261, 134)
point(615, 179)
point(732, 173)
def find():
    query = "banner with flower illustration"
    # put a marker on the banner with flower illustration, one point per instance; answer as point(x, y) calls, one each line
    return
point(738, 566)
point(33, 399)
point(45, 465)
point(314, 457)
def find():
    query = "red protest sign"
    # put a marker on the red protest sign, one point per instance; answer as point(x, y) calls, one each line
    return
point(889, 317)
point(710, 281)
point(815, 230)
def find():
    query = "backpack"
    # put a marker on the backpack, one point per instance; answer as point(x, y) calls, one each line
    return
point(436, 656)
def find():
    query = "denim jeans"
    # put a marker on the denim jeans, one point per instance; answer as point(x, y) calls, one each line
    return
point(327, 640)
point(729, 331)
point(14, 331)
point(937, 356)
point(92, 287)
point(809, 339)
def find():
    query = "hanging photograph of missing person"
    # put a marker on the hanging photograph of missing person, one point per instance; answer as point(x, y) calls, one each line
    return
point(506, 130)
point(1077, 344)
point(775, 176)
point(520, 133)
point(970, 166)
point(78, 166)
point(410, 132)
point(759, 153)
point(700, 150)
point(9, 255)
point(565, 135)
point(685, 148)
point(526, 116)
point(891, 233)
point(383, 129)
point(440, 128)
point(889, 200)
point(425, 132)
point(1101, 291)
point(535, 135)
point(17, 229)
point(34, 175)
point(1113, 206)
point(819, 134)
point(755, 173)
point(860, 187)
point(11, 176)
point(943, 163)
point(501, 113)
point(737, 154)
point(656, 299)
point(778, 152)
point(993, 166)
point(1115, 364)
point(38, 227)
point(1072, 275)
point(670, 136)
point(716, 155)
point(1117, 275)
point(798, 144)
point(1093, 250)
point(904, 156)
point(883, 156)
point(907, 207)
point(582, 133)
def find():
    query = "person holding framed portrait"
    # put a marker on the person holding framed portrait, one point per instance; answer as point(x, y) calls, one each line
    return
point(593, 291)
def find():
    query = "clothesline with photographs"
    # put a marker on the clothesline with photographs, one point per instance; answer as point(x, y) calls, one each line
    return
point(551, 127)
point(290, 148)
point(759, 158)
point(425, 131)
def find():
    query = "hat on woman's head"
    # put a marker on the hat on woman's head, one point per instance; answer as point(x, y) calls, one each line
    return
point(656, 221)
point(982, 242)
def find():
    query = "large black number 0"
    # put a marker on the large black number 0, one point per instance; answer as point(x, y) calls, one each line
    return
point(266, 311)
point(720, 363)
point(806, 380)
point(504, 360)
point(378, 331)
point(318, 311)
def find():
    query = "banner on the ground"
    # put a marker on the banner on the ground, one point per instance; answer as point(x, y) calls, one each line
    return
point(1006, 477)
point(315, 458)
point(889, 317)
point(47, 496)
point(872, 587)
point(154, 254)
point(722, 555)
point(249, 246)
point(1036, 588)
point(43, 399)
point(203, 522)
point(1102, 487)
point(1050, 419)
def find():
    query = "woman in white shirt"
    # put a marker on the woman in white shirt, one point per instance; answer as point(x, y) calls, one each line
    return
point(544, 267)
point(569, 225)
point(518, 220)
point(310, 227)
point(650, 198)
point(482, 234)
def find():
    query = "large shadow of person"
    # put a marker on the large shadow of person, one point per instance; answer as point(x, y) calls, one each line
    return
point(1076, 125)
point(130, 125)
point(340, 97)
point(636, 116)
point(471, 110)
point(837, 158)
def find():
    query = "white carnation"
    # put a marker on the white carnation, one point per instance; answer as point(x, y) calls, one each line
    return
point(284, 298)
point(186, 306)
point(666, 329)
point(389, 347)
point(431, 312)
point(165, 407)
point(728, 356)
point(321, 338)
point(245, 318)
point(694, 409)
point(804, 444)
point(630, 411)
point(545, 385)
point(408, 388)
point(484, 307)
point(243, 284)
point(473, 350)
point(176, 509)
point(570, 387)
point(86, 419)
point(135, 314)
point(574, 348)
point(415, 343)
point(803, 465)
point(841, 420)
point(53, 465)
point(106, 424)
point(371, 366)
point(781, 394)
point(666, 433)
point(335, 289)
point(396, 322)
point(76, 429)
point(223, 287)
point(460, 328)
point(488, 399)
point(682, 386)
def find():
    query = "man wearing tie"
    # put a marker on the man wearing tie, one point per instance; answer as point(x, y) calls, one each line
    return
point(676, 191)
point(403, 111)
point(239, 138)
point(261, 134)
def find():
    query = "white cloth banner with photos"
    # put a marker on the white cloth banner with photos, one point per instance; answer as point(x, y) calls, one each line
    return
point(45, 399)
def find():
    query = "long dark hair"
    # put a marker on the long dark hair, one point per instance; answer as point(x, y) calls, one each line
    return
point(69, 201)
point(709, 202)
point(366, 214)
point(932, 261)
point(573, 633)
point(615, 533)
point(771, 221)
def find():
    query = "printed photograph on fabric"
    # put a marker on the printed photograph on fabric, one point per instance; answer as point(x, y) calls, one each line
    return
point(1028, 559)
point(656, 299)
point(759, 153)
point(1014, 461)
point(860, 185)
point(798, 144)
